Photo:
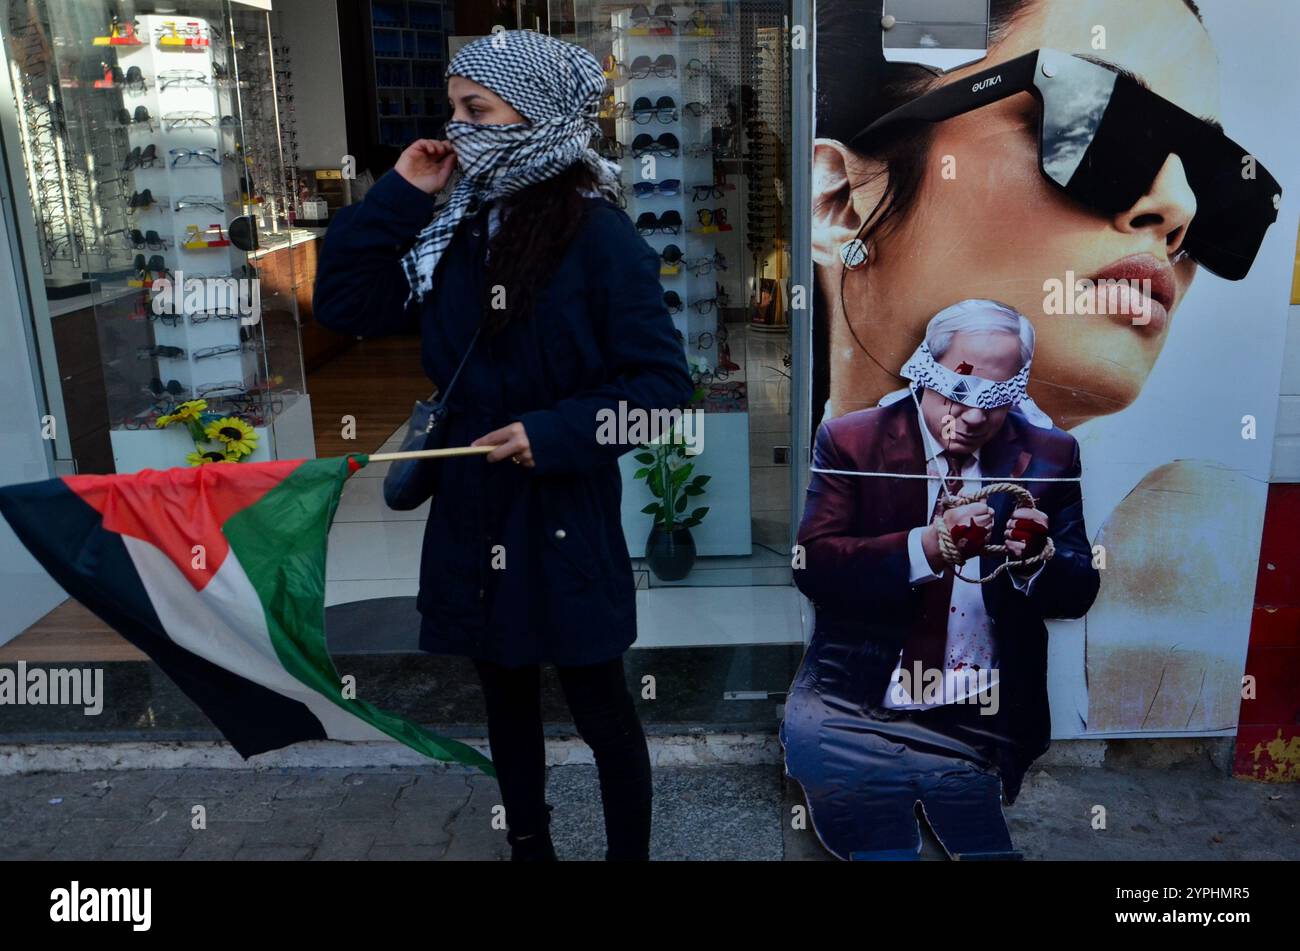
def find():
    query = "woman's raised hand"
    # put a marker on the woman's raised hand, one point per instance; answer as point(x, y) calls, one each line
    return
point(427, 164)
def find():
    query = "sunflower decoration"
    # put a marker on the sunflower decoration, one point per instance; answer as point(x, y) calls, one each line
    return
point(188, 414)
point(208, 456)
point(239, 438)
point(189, 411)
point(216, 438)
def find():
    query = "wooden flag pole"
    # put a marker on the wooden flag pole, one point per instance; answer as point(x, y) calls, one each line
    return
point(432, 453)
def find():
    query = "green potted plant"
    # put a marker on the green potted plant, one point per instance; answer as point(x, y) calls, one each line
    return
point(670, 547)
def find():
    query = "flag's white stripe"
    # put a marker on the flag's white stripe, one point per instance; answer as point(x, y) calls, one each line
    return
point(225, 623)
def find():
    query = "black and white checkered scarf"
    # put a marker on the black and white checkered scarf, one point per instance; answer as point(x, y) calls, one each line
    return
point(927, 373)
point(556, 87)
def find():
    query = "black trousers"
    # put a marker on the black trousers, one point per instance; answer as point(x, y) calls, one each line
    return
point(606, 719)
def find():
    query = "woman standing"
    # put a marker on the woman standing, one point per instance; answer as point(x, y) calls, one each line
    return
point(524, 563)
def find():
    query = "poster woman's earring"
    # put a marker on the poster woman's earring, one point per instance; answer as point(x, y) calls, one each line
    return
point(854, 254)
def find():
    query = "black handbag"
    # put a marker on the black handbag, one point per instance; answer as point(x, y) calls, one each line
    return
point(411, 482)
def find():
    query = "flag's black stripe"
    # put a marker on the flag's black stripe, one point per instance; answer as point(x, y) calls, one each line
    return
point(92, 564)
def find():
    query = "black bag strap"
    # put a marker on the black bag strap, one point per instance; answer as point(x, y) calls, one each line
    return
point(442, 400)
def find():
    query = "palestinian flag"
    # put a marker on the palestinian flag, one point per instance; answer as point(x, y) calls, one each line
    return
point(218, 574)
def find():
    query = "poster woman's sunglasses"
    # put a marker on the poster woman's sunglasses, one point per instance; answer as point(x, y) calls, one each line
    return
point(1103, 138)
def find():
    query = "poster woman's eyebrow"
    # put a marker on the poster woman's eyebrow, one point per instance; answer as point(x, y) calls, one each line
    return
point(1115, 68)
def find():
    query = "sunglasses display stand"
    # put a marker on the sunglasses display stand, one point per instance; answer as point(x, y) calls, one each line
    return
point(655, 83)
point(181, 315)
point(658, 59)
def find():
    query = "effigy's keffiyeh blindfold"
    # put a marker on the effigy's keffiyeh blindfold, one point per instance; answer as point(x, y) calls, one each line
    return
point(965, 388)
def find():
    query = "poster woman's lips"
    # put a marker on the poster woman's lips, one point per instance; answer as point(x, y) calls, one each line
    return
point(1148, 308)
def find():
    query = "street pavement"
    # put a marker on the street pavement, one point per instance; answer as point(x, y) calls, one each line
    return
point(1190, 811)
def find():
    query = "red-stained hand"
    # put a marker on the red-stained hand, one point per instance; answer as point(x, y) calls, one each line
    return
point(969, 536)
point(969, 525)
point(1026, 532)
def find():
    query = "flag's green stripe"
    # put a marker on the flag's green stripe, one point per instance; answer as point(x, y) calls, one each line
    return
point(280, 541)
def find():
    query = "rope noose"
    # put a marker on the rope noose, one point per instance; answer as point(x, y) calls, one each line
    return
point(948, 548)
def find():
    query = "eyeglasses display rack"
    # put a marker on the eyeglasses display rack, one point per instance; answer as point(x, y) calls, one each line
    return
point(269, 126)
point(174, 116)
point(66, 199)
point(194, 184)
point(765, 126)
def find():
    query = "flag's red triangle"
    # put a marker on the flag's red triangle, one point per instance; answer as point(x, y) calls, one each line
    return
point(179, 509)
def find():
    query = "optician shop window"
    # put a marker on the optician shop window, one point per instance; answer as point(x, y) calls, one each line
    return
point(697, 114)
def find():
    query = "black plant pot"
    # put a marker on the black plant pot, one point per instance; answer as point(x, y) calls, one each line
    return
point(670, 555)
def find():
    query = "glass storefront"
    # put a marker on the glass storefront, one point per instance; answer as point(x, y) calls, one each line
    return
point(167, 259)
point(152, 145)
point(698, 116)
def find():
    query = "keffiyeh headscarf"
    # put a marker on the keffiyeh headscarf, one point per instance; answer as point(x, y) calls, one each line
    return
point(554, 85)
point(965, 388)
point(961, 385)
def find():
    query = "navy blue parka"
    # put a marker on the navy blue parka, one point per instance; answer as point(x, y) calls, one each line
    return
point(519, 565)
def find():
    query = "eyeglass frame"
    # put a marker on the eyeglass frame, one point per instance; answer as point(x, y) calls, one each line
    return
point(186, 202)
point(207, 153)
point(193, 78)
point(188, 118)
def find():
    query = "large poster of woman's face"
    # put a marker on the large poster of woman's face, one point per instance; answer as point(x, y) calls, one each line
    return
point(1125, 176)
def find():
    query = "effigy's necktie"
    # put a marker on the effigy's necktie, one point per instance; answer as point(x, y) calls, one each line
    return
point(927, 641)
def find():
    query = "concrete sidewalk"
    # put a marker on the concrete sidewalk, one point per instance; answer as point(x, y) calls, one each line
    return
point(701, 812)
point(406, 813)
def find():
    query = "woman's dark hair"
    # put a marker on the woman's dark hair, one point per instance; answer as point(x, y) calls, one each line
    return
point(537, 226)
point(848, 31)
